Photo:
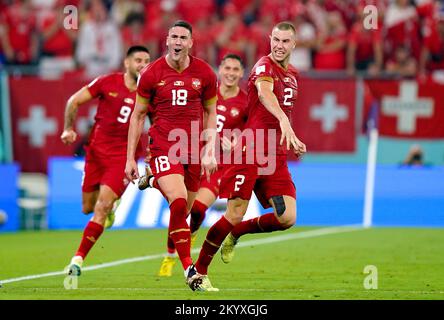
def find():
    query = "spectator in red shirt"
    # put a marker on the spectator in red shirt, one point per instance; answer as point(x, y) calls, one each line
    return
point(232, 36)
point(432, 54)
point(402, 28)
point(403, 65)
point(58, 41)
point(136, 32)
point(19, 40)
point(330, 47)
point(260, 30)
point(364, 50)
point(203, 41)
point(192, 11)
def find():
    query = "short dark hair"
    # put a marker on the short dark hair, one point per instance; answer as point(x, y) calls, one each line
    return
point(284, 26)
point(135, 49)
point(183, 24)
point(233, 56)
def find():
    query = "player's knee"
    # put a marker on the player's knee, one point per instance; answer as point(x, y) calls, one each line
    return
point(235, 211)
point(287, 219)
point(103, 207)
point(288, 223)
point(87, 207)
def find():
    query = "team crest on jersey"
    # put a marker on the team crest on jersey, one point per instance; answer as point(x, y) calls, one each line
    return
point(113, 94)
point(128, 100)
point(161, 83)
point(196, 83)
point(234, 112)
point(178, 83)
point(221, 108)
point(287, 79)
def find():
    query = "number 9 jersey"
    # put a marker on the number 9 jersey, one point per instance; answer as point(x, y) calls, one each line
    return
point(109, 135)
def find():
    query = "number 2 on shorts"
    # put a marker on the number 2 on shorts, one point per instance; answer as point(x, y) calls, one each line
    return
point(240, 179)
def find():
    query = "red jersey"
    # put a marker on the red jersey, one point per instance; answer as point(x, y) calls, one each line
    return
point(232, 112)
point(109, 135)
point(176, 99)
point(285, 88)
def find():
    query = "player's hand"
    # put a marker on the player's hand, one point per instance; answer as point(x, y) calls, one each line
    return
point(209, 166)
point(68, 136)
point(299, 148)
point(131, 170)
point(288, 134)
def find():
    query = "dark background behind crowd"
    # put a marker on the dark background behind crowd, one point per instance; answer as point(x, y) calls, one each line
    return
point(408, 40)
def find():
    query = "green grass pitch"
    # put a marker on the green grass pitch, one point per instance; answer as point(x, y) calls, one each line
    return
point(293, 264)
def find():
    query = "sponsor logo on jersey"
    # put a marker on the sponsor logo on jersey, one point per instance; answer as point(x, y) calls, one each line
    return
point(221, 108)
point(287, 79)
point(196, 83)
point(234, 112)
point(113, 94)
point(179, 83)
point(161, 83)
point(128, 100)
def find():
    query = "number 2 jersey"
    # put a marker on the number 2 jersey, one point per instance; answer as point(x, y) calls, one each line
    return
point(285, 88)
point(176, 100)
point(109, 135)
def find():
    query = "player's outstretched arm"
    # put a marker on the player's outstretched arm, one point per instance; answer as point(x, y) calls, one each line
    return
point(271, 103)
point(80, 97)
point(137, 121)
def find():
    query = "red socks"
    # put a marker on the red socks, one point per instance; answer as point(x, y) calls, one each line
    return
point(265, 223)
point(91, 234)
point(215, 237)
point(179, 231)
point(197, 215)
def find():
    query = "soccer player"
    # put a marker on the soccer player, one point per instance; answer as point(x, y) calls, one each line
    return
point(104, 175)
point(181, 92)
point(231, 114)
point(272, 90)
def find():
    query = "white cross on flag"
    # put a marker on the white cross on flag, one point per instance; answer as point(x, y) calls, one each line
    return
point(324, 115)
point(409, 109)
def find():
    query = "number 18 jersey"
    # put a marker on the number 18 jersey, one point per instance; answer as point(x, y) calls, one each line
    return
point(176, 100)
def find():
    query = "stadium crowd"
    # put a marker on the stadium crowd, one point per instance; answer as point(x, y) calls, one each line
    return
point(408, 40)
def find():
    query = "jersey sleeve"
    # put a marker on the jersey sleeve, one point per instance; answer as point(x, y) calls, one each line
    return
point(95, 86)
point(262, 71)
point(210, 88)
point(146, 83)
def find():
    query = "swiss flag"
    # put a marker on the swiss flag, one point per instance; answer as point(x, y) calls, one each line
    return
point(409, 109)
point(324, 115)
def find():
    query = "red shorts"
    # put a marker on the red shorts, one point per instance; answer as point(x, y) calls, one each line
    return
point(101, 171)
point(161, 166)
point(240, 180)
point(214, 183)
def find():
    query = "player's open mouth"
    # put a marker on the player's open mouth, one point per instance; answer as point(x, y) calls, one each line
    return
point(177, 50)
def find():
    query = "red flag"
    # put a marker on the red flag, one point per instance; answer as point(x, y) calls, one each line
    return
point(409, 109)
point(324, 116)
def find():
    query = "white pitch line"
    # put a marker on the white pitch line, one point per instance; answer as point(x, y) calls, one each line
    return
point(284, 237)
